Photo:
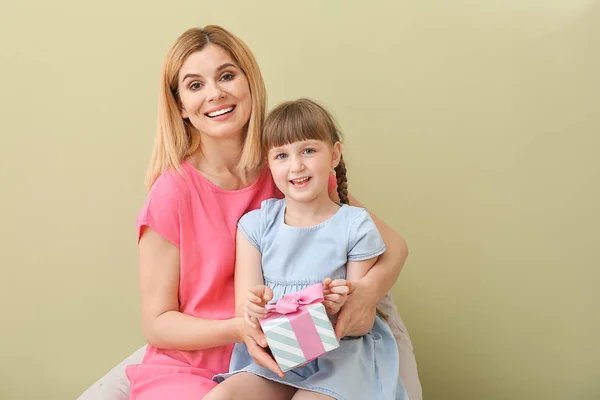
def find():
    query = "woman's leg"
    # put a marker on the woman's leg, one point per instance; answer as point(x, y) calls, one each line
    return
point(245, 385)
point(308, 395)
point(408, 364)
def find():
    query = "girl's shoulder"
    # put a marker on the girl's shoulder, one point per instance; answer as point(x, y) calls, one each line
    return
point(268, 211)
point(353, 215)
point(272, 205)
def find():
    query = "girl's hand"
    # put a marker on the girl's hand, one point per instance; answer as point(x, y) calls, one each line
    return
point(335, 293)
point(257, 298)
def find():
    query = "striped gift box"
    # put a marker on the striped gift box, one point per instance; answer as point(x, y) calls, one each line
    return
point(299, 337)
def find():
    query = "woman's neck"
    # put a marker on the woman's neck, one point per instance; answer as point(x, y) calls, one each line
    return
point(215, 157)
point(303, 214)
point(218, 161)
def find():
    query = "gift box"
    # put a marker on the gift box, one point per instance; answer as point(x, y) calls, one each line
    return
point(298, 329)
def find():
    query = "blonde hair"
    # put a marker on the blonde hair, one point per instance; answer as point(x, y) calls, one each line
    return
point(303, 119)
point(175, 138)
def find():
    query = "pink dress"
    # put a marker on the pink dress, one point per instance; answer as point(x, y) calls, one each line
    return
point(201, 219)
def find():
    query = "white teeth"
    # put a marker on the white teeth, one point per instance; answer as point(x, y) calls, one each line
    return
point(220, 112)
point(300, 180)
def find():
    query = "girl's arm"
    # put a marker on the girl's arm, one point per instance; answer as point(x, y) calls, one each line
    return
point(165, 327)
point(248, 278)
point(248, 271)
point(336, 292)
point(358, 313)
point(356, 270)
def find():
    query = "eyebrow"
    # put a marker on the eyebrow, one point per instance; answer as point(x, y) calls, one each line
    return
point(220, 68)
point(309, 142)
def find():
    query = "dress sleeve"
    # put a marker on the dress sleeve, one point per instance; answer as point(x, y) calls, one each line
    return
point(251, 227)
point(161, 212)
point(365, 240)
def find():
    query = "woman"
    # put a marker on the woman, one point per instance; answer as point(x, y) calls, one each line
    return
point(206, 172)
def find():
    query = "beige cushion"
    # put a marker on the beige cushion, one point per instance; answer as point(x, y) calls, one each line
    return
point(114, 385)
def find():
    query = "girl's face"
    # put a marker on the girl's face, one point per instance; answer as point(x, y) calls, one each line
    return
point(214, 93)
point(301, 169)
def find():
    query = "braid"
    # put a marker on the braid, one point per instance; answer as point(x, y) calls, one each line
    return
point(342, 181)
point(383, 315)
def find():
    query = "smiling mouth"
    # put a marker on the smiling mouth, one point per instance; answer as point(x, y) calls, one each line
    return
point(300, 181)
point(220, 112)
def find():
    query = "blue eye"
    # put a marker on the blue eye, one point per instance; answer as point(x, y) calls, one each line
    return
point(309, 151)
point(280, 156)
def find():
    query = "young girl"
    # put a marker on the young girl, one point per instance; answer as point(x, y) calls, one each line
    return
point(303, 239)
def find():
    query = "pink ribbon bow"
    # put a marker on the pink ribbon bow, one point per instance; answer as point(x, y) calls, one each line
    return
point(290, 303)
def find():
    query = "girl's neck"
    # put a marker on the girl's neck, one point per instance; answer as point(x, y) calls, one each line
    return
point(304, 214)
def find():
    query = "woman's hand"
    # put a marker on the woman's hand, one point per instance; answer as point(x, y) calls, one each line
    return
point(253, 336)
point(255, 341)
point(357, 316)
point(336, 293)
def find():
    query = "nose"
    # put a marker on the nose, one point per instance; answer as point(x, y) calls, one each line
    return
point(296, 164)
point(214, 92)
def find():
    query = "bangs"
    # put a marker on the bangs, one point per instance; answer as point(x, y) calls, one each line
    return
point(293, 122)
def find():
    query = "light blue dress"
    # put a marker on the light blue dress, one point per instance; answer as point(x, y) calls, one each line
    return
point(293, 258)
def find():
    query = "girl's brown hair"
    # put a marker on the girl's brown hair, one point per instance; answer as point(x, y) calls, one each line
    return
point(176, 139)
point(303, 119)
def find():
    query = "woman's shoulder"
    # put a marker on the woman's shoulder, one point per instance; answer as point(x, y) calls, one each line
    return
point(171, 182)
point(162, 210)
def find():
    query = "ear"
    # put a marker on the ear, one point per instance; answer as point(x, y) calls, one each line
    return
point(336, 155)
point(183, 112)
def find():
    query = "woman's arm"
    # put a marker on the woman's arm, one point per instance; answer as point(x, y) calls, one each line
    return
point(164, 326)
point(358, 313)
point(381, 278)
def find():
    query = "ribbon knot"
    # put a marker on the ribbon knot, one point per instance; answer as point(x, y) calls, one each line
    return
point(291, 302)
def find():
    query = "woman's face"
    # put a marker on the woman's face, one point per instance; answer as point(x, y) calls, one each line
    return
point(214, 93)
